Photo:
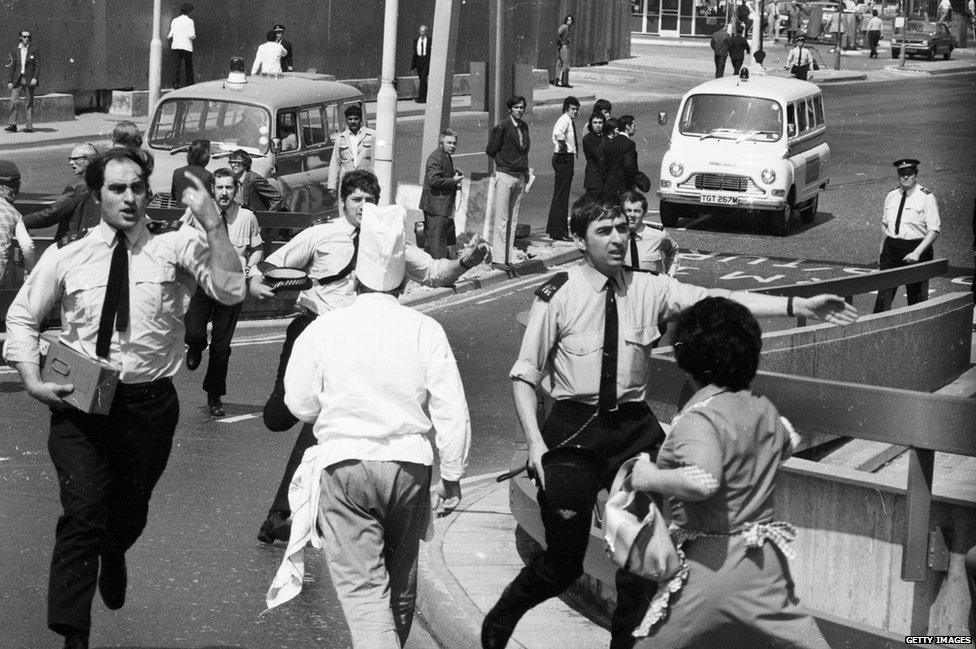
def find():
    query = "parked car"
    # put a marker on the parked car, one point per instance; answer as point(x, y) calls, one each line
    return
point(287, 123)
point(924, 37)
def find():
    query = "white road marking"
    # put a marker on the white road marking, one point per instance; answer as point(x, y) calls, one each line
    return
point(247, 342)
point(234, 420)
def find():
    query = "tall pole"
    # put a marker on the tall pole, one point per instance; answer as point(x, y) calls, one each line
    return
point(904, 31)
point(155, 57)
point(499, 75)
point(386, 107)
point(447, 13)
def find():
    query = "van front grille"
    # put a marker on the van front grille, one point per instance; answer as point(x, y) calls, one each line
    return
point(722, 182)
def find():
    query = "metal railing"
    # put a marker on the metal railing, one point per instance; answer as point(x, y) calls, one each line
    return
point(848, 287)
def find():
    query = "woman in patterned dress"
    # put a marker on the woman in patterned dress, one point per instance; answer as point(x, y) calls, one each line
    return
point(718, 467)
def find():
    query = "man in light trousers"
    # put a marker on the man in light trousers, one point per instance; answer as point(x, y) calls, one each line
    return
point(366, 484)
point(508, 145)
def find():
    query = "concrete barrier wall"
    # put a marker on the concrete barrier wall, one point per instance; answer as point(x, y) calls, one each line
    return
point(921, 347)
point(49, 107)
point(848, 549)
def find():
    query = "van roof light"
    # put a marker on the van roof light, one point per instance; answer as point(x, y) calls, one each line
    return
point(744, 75)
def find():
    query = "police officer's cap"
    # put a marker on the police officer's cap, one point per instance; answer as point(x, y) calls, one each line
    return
point(906, 164)
point(278, 28)
point(9, 175)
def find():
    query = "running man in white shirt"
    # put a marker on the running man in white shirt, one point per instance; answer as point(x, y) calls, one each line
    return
point(269, 55)
point(181, 34)
point(391, 379)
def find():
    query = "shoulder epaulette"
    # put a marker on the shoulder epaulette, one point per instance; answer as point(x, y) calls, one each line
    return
point(321, 221)
point(162, 227)
point(547, 290)
point(641, 270)
point(655, 226)
point(925, 190)
point(71, 237)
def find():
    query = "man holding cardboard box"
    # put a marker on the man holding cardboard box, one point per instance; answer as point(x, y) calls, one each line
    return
point(122, 286)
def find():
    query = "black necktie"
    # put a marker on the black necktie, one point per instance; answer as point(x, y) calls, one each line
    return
point(223, 215)
point(608, 368)
point(634, 260)
point(115, 308)
point(901, 206)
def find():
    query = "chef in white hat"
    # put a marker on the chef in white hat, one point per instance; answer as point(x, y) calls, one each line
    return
point(386, 363)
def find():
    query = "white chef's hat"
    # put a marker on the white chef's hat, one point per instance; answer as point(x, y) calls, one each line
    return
point(380, 263)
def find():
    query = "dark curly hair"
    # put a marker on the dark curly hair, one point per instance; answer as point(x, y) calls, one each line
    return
point(360, 179)
point(718, 341)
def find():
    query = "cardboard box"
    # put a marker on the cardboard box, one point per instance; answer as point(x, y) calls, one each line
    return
point(94, 379)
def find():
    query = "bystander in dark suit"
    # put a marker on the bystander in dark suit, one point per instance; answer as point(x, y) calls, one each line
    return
point(287, 63)
point(255, 193)
point(595, 174)
point(421, 62)
point(24, 72)
point(197, 159)
point(720, 44)
point(441, 184)
point(738, 47)
point(620, 159)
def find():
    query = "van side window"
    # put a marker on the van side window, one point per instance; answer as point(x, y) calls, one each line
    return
point(801, 116)
point(811, 115)
point(312, 121)
point(791, 116)
point(818, 109)
point(287, 129)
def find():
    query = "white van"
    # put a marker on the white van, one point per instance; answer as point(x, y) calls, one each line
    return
point(747, 146)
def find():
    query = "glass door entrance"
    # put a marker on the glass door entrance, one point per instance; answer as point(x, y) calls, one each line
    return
point(669, 18)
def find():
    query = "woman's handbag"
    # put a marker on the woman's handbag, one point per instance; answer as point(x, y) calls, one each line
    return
point(637, 536)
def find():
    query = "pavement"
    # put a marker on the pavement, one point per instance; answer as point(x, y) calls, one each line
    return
point(650, 56)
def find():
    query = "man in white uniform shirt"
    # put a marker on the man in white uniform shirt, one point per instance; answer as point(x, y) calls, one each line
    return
point(328, 252)
point(374, 378)
point(565, 147)
point(269, 55)
point(181, 34)
point(353, 149)
point(122, 286)
point(911, 224)
point(245, 236)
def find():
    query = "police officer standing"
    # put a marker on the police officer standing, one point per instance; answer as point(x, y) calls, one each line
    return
point(122, 286)
point(588, 337)
point(911, 224)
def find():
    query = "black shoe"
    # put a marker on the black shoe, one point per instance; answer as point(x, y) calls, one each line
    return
point(215, 405)
point(11, 129)
point(276, 415)
point(193, 358)
point(566, 85)
point(29, 129)
point(112, 582)
point(276, 527)
point(77, 640)
point(494, 633)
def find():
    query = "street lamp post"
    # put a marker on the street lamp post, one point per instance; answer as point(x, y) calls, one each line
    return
point(904, 30)
point(386, 107)
point(155, 57)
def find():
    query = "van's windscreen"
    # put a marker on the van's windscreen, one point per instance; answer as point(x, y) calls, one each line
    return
point(732, 117)
point(227, 125)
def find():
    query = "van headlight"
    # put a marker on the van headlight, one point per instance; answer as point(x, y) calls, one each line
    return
point(676, 169)
point(768, 176)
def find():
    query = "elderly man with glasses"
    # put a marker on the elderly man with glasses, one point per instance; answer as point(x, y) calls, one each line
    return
point(79, 159)
point(24, 70)
point(75, 210)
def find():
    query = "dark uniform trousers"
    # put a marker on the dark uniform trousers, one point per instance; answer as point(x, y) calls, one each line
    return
point(439, 233)
point(558, 224)
point(277, 416)
point(893, 253)
point(107, 467)
point(618, 436)
point(201, 311)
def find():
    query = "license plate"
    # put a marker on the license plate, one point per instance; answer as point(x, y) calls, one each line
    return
point(719, 199)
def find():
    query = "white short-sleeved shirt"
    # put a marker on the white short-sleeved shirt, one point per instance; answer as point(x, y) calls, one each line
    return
point(919, 216)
